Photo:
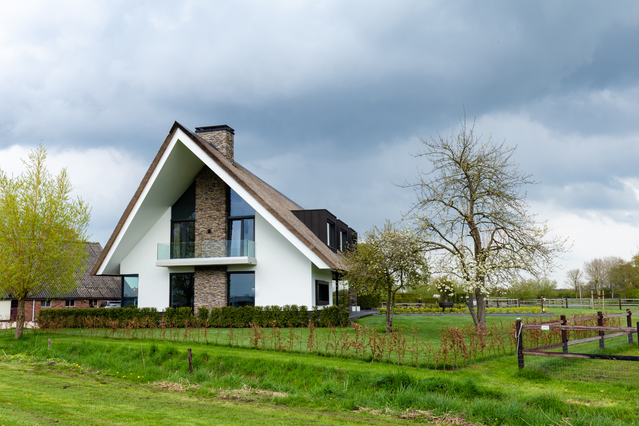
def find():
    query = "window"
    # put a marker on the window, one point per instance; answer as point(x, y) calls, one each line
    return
point(321, 293)
point(183, 225)
point(130, 290)
point(343, 240)
point(330, 234)
point(182, 290)
point(69, 303)
point(45, 303)
point(241, 289)
point(241, 227)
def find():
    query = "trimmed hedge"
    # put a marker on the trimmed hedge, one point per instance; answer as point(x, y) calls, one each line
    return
point(459, 309)
point(227, 316)
point(98, 318)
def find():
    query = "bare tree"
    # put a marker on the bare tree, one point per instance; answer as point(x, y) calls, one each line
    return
point(472, 212)
point(574, 278)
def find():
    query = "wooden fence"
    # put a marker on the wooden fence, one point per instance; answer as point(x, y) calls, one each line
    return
point(562, 325)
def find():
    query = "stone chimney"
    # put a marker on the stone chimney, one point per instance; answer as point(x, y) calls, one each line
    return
point(221, 137)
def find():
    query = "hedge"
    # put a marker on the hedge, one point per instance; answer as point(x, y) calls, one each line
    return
point(227, 316)
point(459, 309)
point(98, 318)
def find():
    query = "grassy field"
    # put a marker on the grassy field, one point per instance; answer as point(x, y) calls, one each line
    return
point(128, 382)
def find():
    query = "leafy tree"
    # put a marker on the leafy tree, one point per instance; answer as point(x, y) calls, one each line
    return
point(42, 233)
point(574, 278)
point(472, 212)
point(389, 260)
point(533, 288)
point(598, 271)
point(624, 276)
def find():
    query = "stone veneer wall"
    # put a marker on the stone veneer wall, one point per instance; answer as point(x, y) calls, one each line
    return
point(211, 213)
point(210, 287)
point(222, 140)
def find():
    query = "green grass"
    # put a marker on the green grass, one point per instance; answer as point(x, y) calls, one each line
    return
point(491, 393)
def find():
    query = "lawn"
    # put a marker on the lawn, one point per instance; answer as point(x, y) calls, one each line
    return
point(119, 376)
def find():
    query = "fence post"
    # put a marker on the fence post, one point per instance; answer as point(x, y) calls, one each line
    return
point(520, 343)
point(190, 362)
point(49, 343)
point(592, 300)
point(564, 334)
point(542, 305)
point(620, 303)
point(629, 324)
point(518, 303)
point(601, 333)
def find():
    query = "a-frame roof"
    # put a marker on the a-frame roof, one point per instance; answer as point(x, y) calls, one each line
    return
point(179, 159)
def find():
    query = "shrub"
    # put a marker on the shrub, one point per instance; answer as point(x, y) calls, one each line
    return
point(369, 301)
point(98, 318)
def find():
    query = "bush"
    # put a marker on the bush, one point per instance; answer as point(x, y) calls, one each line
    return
point(179, 317)
point(98, 318)
point(369, 301)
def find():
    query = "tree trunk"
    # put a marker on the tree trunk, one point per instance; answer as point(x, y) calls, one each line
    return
point(390, 303)
point(481, 307)
point(471, 307)
point(20, 318)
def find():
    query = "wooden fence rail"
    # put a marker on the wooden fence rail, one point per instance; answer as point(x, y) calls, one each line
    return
point(562, 325)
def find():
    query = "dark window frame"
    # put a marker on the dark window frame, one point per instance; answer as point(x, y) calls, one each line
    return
point(243, 223)
point(228, 285)
point(69, 303)
point(330, 234)
point(184, 230)
point(318, 301)
point(122, 290)
point(45, 303)
point(171, 275)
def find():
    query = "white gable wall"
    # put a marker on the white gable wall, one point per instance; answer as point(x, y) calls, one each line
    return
point(5, 310)
point(283, 275)
point(153, 290)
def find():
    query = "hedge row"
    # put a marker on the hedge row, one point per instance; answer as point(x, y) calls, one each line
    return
point(228, 316)
point(98, 318)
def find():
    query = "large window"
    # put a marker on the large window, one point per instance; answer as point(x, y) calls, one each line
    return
point(130, 290)
point(241, 289)
point(241, 226)
point(321, 293)
point(183, 225)
point(182, 290)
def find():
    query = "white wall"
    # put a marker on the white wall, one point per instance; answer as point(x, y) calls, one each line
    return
point(283, 275)
point(153, 281)
point(5, 310)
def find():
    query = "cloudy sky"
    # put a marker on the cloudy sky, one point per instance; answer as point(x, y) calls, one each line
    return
point(329, 98)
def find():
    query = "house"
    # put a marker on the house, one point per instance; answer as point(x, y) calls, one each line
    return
point(90, 292)
point(201, 230)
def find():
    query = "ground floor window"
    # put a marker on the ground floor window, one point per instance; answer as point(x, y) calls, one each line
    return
point(321, 293)
point(241, 289)
point(45, 303)
point(69, 303)
point(182, 290)
point(130, 290)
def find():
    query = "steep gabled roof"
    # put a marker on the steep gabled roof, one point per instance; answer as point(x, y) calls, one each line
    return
point(274, 202)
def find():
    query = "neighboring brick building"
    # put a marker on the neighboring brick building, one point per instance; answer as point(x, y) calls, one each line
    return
point(202, 230)
point(90, 292)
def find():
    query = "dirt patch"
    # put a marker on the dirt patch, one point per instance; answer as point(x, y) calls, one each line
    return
point(249, 391)
point(412, 414)
point(181, 386)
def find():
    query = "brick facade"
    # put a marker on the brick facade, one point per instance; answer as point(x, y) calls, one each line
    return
point(31, 311)
point(221, 137)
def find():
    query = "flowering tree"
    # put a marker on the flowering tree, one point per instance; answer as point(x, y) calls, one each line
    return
point(42, 234)
point(389, 260)
point(472, 214)
point(444, 286)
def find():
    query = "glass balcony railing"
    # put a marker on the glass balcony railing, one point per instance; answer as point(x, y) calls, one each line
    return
point(206, 249)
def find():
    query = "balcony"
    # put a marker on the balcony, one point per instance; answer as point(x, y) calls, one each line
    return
point(202, 253)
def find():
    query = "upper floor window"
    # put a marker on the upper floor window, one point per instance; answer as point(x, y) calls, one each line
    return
point(343, 242)
point(330, 234)
point(241, 226)
point(183, 225)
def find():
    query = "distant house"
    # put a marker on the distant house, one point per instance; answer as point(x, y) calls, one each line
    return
point(201, 230)
point(91, 292)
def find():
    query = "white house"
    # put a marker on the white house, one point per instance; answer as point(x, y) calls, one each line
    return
point(201, 230)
